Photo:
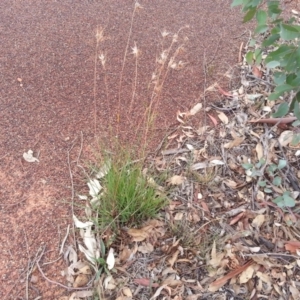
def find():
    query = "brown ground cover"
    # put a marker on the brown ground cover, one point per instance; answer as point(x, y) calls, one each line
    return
point(47, 101)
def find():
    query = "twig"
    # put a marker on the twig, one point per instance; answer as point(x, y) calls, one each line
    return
point(64, 240)
point(28, 272)
point(72, 190)
point(273, 254)
point(214, 56)
point(260, 79)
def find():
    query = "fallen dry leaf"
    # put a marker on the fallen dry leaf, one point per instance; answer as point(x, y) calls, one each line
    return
point(28, 156)
point(145, 282)
point(246, 275)
point(259, 151)
point(176, 180)
point(227, 94)
point(258, 221)
point(285, 138)
point(292, 246)
point(81, 280)
point(223, 118)
point(214, 120)
point(146, 248)
point(174, 257)
point(195, 109)
point(138, 235)
point(236, 142)
point(256, 72)
point(213, 287)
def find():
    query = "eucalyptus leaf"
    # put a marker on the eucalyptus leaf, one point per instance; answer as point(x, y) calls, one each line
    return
point(282, 110)
point(282, 164)
point(277, 181)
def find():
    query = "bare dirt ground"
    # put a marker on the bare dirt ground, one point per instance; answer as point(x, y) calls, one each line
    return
point(46, 102)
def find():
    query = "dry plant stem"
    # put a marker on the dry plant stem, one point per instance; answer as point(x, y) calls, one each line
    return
point(28, 272)
point(72, 191)
point(95, 86)
point(42, 250)
point(134, 87)
point(64, 240)
point(123, 66)
point(262, 169)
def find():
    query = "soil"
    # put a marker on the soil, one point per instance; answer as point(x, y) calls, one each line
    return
point(47, 105)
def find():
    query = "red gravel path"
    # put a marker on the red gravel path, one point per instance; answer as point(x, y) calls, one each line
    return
point(50, 47)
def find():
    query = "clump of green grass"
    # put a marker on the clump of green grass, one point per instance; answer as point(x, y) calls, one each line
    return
point(129, 198)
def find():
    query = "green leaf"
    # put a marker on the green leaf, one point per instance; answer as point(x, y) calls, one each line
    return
point(237, 2)
point(296, 124)
point(297, 110)
point(272, 168)
point(257, 56)
point(279, 78)
point(268, 191)
point(277, 181)
point(261, 17)
point(247, 166)
point(278, 54)
point(279, 201)
point(252, 42)
point(283, 88)
point(256, 173)
point(270, 40)
point(249, 57)
point(294, 101)
point(296, 139)
point(274, 96)
point(261, 29)
point(249, 15)
point(281, 164)
point(273, 64)
point(282, 110)
point(262, 183)
point(288, 200)
point(293, 80)
point(279, 90)
point(289, 32)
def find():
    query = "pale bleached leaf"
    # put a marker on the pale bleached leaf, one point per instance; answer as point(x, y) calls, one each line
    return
point(223, 118)
point(95, 187)
point(195, 109)
point(28, 156)
point(80, 224)
point(285, 138)
point(176, 180)
point(110, 260)
point(259, 151)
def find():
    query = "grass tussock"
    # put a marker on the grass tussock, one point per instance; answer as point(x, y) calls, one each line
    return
point(129, 197)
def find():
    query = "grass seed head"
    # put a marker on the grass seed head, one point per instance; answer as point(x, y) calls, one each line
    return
point(100, 35)
point(164, 33)
point(102, 59)
point(135, 51)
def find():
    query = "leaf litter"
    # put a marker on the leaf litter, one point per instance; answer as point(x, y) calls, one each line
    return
point(231, 227)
